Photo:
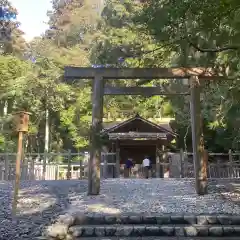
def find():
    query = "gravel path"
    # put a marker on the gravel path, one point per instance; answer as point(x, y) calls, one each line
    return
point(42, 201)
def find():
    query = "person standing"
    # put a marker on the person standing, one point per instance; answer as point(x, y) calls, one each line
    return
point(128, 167)
point(146, 166)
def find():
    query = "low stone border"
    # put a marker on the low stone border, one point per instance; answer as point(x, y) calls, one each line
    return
point(80, 219)
point(79, 225)
point(149, 230)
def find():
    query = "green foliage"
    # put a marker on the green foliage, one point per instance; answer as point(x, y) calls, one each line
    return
point(12, 41)
point(202, 33)
point(151, 34)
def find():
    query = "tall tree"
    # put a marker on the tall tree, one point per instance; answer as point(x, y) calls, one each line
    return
point(122, 44)
point(11, 38)
point(68, 42)
point(202, 34)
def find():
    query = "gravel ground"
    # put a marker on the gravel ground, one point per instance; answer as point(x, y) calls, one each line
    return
point(42, 201)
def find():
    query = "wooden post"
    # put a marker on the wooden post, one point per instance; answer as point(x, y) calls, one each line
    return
point(6, 166)
point(165, 163)
point(182, 163)
point(231, 163)
point(157, 162)
point(24, 167)
point(205, 165)
point(105, 165)
point(161, 164)
point(218, 169)
point(95, 153)
point(72, 170)
point(56, 172)
point(81, 170)
point(18, 172)
point(21, 125)
point(117, 160)
point(32, 168)
point(69, 165)
point(199, 158)
point(45, 157)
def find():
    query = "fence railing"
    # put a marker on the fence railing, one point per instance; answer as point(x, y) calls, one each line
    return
point(224, 170)
point(220, 165)
point(48, 166)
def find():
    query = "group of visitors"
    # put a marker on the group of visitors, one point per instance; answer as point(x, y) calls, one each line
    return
point(146, 163)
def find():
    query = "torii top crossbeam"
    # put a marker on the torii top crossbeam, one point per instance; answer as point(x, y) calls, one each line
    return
point(139, 73)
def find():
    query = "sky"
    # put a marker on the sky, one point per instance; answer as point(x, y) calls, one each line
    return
point(32, 15)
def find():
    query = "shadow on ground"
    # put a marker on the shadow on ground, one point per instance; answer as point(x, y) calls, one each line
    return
point(230, 190)
point(40, 203)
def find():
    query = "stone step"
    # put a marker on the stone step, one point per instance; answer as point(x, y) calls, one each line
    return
point(154, 238)
point(154, 230)
point(161, 219)
point(145, 238)
point(80, 225)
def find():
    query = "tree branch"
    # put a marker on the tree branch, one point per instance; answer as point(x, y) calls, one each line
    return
point(165, 43)
point(213, 50)
point(139, 55)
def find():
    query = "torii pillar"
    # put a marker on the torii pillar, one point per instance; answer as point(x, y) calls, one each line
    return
point(95, 139)
point(200, 156)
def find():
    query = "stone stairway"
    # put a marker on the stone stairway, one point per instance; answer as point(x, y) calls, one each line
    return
point(146, 227)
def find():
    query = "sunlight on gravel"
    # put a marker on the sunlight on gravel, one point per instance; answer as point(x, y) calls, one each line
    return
point(153, 195)
point(33, 204)
point(103, 208)
point(35, 199)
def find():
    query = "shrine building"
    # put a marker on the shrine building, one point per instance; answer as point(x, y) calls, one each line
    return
point(138, 137)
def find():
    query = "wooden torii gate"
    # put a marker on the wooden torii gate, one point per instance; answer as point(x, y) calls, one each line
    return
point(194, 75)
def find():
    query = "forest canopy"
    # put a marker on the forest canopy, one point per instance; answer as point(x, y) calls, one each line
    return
point(121, 33)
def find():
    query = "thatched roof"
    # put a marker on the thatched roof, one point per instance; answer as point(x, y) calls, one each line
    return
point(162, 124)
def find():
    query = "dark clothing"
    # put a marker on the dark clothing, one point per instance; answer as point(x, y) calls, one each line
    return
point(146, 171)
point(129, 164)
